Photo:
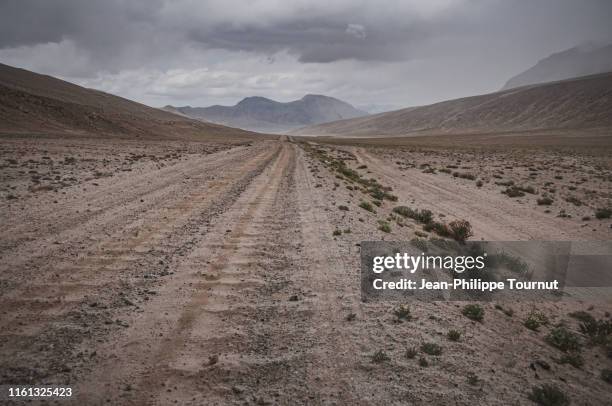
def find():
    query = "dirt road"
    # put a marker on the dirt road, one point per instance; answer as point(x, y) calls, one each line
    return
point(219, 279)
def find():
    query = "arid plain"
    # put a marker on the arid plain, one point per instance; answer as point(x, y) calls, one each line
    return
point(217, 266)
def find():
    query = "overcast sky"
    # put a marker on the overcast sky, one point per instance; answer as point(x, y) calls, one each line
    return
point(381, 54)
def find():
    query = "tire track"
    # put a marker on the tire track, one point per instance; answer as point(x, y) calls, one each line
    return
point(86, 292)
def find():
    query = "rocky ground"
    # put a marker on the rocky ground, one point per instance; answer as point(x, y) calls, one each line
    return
point(209, 273)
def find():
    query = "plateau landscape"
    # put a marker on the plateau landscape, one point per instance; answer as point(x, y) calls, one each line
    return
point(186, 255)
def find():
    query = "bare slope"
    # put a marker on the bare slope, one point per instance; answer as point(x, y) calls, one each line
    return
point(572, 104)
point(265, 115)
point(571, 63)
point(34, 103)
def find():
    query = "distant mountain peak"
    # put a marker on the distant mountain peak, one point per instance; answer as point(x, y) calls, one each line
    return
point(255, 99)
point(261, 114)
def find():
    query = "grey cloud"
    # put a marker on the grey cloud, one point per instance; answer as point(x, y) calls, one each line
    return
point(374, 52)
point(356, 30)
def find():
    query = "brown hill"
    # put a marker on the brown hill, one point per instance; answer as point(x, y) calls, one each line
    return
point(581, 103)
point(34, 103)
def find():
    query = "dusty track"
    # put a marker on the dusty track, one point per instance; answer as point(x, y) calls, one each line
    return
point(218, 280)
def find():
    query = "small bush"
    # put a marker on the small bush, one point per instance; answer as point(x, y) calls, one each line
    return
point(573, 358)
point(422, 216)
point(402, 312)
point(384, 226)
point(598, 331)
point(563, 339)
point(548, 395)
point(411, 353)
point(423, 362)
point(380, 356)
point(473, 312)
point(545, 201)
point(535, 320)
point(464, 175)
point(343, 208)
point(460, 230)
point(479, 183)
point(603, 213)
point(453, 335)
point(431, 348)
point(367, 206)
point(337, 232)
point(419, 243)
point(439, 228)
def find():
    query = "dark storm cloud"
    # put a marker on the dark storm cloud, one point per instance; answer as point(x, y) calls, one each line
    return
point(314, 31)
point(413, 51)
point(91, 23)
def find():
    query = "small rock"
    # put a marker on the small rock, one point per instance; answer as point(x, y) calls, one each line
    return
point(213, 359)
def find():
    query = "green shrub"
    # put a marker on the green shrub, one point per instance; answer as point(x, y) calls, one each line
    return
point(548, 395)
point(337, 232)
point(431, 348)
point(603, 213)
point(598, 331)
point(563, 339)
point(473, 312)
point(439, 228)
point(419, 243)
point(367, 206)
point(402, 312)
point(411, 353)
point(535, 320)
point(422, 216)
point(572, 358)
point(380, 356)
point(384, 226)
point(453, 335)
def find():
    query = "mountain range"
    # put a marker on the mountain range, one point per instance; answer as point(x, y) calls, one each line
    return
point(579, 103)
point(269, 116)
point(574, 62)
